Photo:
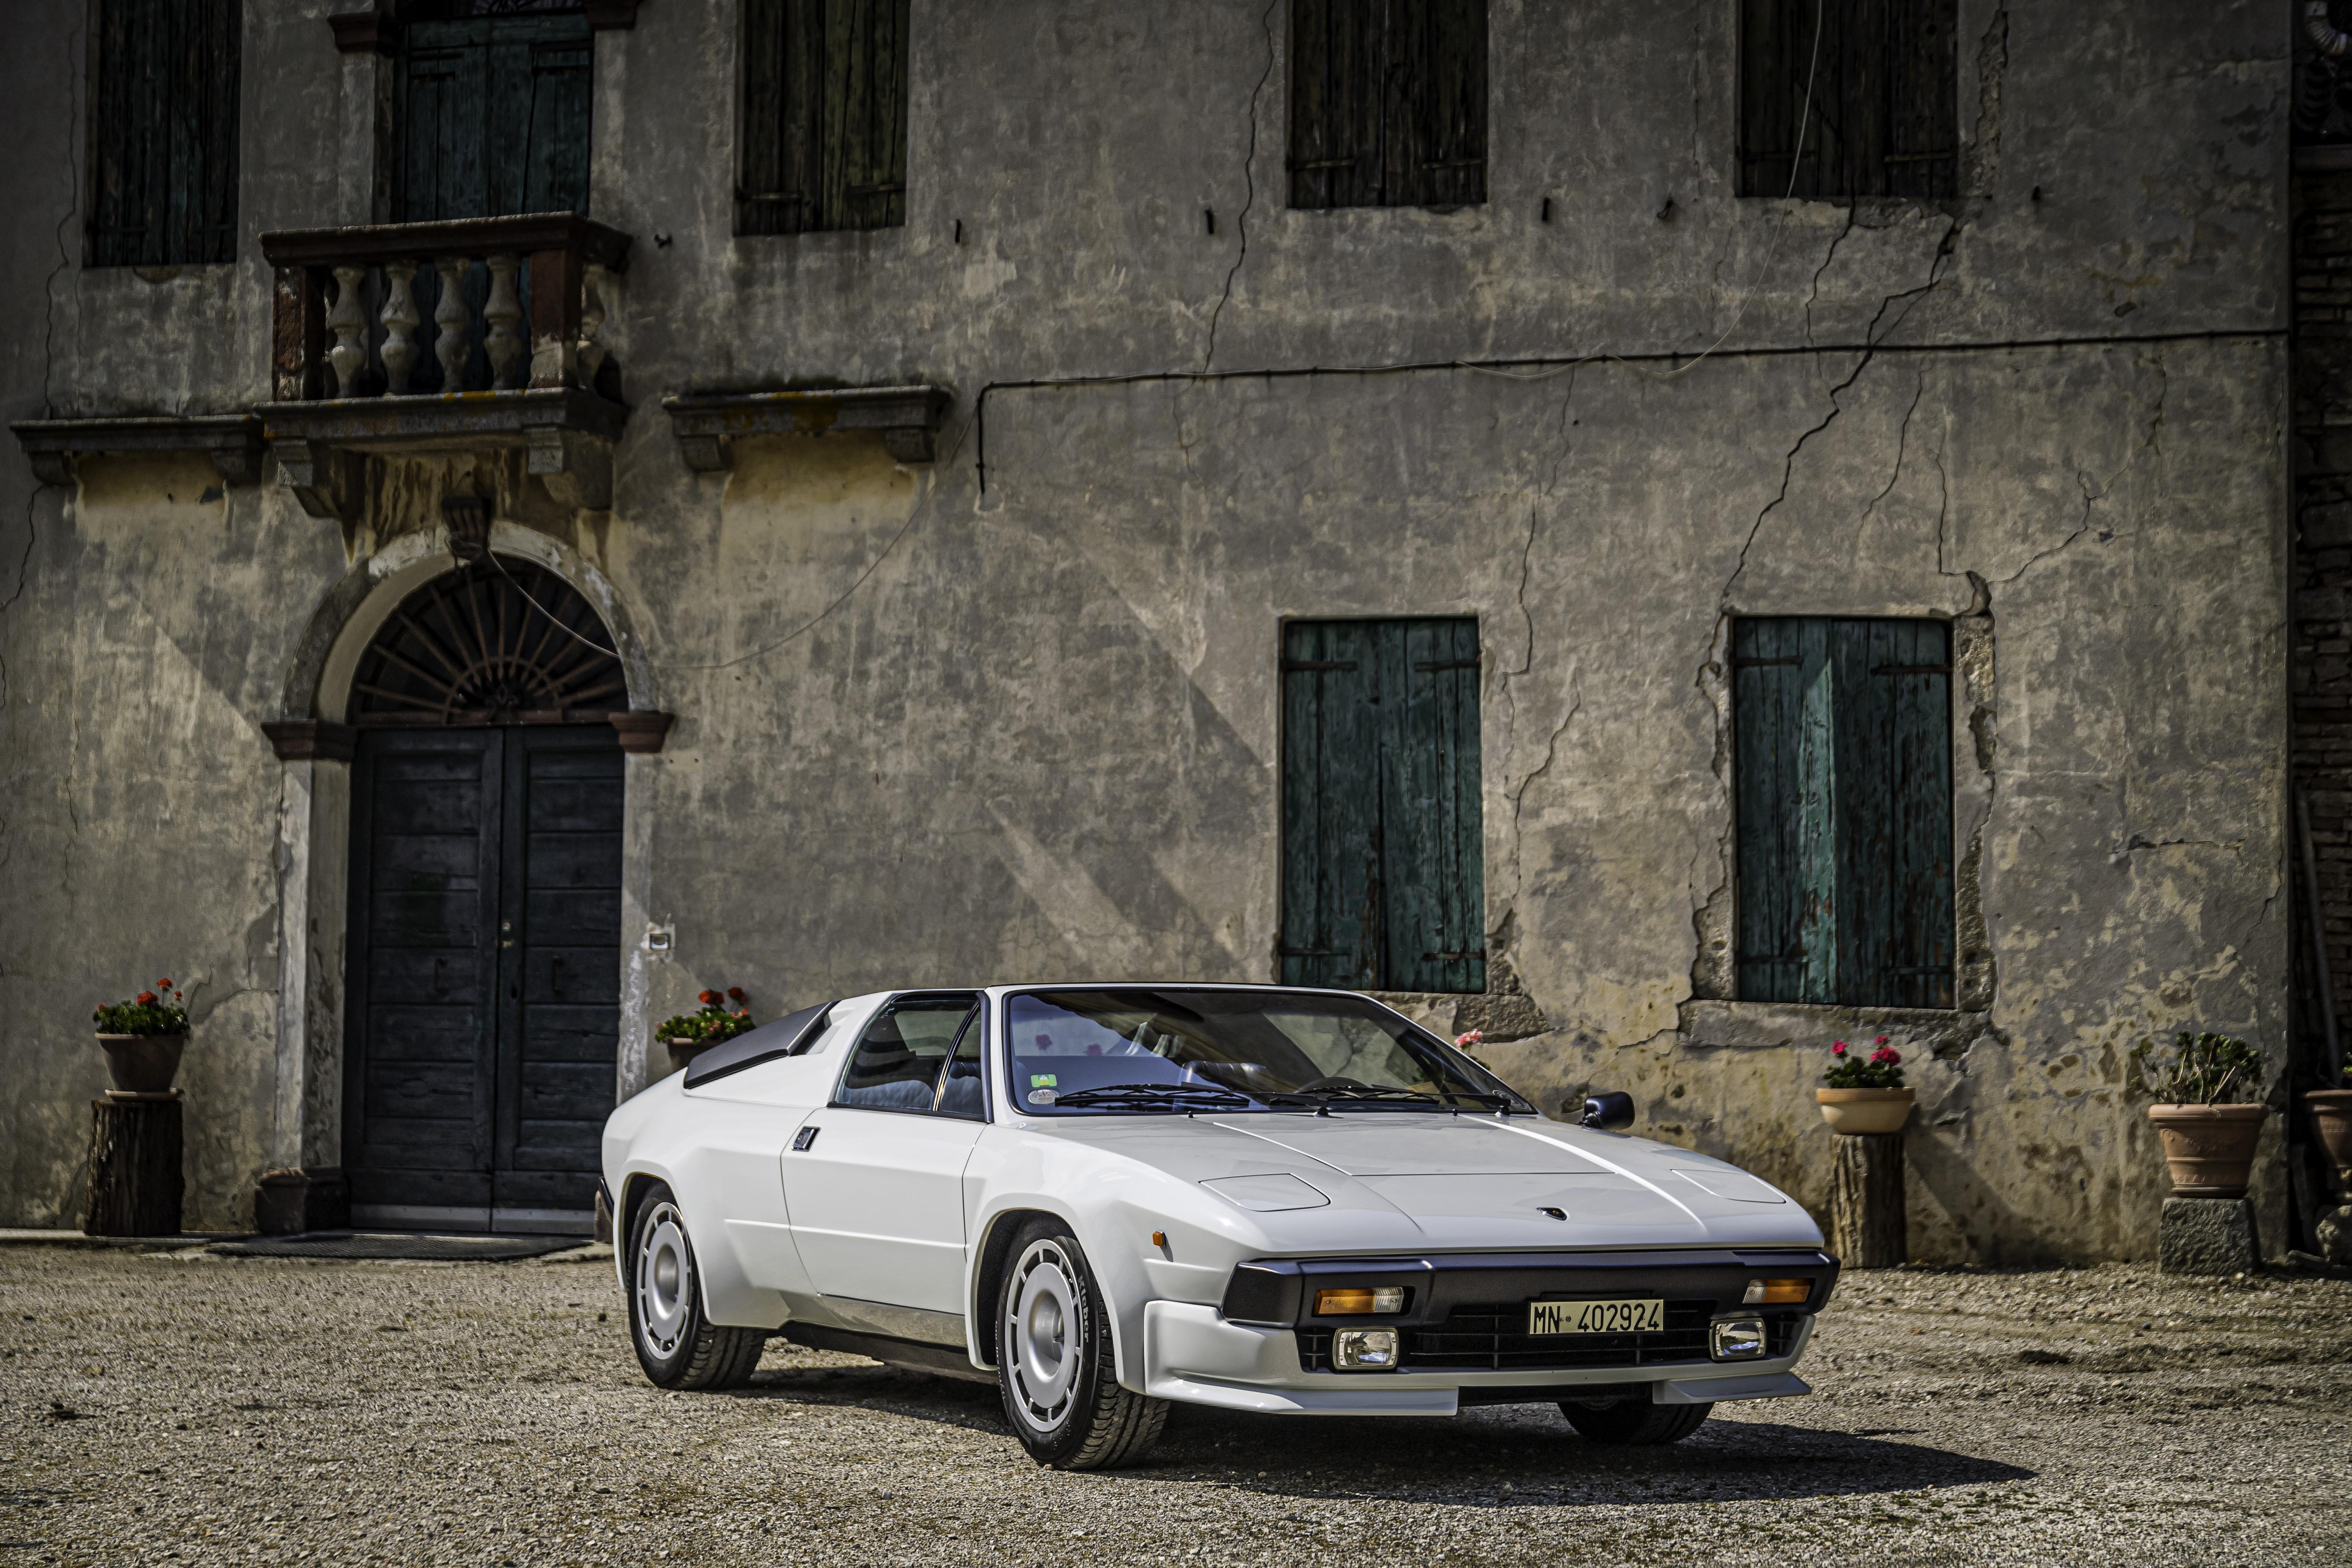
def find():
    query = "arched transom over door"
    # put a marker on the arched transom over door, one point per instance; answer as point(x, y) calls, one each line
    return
point(484, 966)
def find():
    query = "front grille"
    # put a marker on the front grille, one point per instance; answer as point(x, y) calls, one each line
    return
point(1491, 1336)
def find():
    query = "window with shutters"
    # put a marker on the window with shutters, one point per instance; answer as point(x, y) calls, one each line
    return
point(824, 134)
point(1844, 765)
point(1884, 116)
point(493, 110)
point(163, 77)
point(1383, 881)
point(1388, 103)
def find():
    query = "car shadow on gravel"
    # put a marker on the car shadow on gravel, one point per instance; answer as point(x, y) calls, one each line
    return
point(1497, 1456)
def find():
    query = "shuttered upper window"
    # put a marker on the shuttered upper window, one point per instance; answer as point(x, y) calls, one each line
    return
point(163, 133)
point(824, 134)
point(493, 112)
point(1388, 103)
point(1383, 882)
point(1844, 763)
point(1886, 117)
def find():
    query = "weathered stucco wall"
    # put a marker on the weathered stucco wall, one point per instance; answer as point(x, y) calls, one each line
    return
point(929, 733)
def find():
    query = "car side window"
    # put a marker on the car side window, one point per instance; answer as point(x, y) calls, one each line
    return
point(960, 1091)
point(899, 1058)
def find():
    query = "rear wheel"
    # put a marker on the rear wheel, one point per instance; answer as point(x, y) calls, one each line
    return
point(1054, 1360)
point(1634, 1421)
point(677, 1346)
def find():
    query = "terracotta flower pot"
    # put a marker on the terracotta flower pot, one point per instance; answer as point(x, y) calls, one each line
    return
point(142, 1064)
point(1859, 1111)
point(683, 1051)
point(2211, 1148)
point(2331, 1112)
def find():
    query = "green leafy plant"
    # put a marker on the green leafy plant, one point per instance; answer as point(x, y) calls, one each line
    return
point(2204, 1071)
point(1882, 1068)
point(713, 1022)
point(146, 1014)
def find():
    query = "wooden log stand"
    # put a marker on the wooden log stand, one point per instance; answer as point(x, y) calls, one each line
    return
point(1866, 1220)
point(135, 1180)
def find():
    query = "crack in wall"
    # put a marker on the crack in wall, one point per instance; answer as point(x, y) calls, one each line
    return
point(1902, 444)
point(1249, 187)
point(1813, 291)
point(1510, 677)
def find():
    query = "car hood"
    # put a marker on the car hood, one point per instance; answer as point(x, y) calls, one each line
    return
point(1459, 1183)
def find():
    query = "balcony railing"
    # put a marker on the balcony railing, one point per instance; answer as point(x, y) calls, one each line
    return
point(516, 303)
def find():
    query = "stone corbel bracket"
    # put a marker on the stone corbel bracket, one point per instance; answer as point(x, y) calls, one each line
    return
point(233, 442)
point(310, 740)
point(907, 416)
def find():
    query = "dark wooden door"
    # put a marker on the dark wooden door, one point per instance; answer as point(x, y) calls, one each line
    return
point(493, 116)
point(483, 965)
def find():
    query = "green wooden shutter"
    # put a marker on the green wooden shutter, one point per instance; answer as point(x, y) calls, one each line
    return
point(1383, 858)
point(823, 128)
point(1842, 774)
point(164, 142)
point(1885, 118)
point(1331, 849)
point(494, 117)
point(1387, 103)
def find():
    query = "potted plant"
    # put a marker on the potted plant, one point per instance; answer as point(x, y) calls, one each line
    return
point(1862, 1096)
point(688, 1035)
point(2209, 1138)
point(2331, 1114)
point(142, 1039)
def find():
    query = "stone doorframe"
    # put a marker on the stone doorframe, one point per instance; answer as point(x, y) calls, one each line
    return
point(305, 1189)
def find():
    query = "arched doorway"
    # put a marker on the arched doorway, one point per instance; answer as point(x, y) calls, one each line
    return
point(482, 1014)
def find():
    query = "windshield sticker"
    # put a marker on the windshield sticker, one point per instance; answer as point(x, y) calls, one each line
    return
point(1042, 1081)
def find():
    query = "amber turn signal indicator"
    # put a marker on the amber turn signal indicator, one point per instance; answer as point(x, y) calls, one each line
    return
point(1777, 1292)
point(1337, 1303)
point(1159, 1238)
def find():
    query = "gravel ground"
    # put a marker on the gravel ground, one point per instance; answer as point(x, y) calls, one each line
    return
point(177, 1408)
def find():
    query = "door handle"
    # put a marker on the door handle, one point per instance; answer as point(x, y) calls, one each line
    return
point(804, 1136)
point(440, 984)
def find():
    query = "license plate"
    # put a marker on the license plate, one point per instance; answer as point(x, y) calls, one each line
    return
point(1596, 1317)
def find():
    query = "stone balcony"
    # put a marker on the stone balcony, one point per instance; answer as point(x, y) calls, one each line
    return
point(515, 360)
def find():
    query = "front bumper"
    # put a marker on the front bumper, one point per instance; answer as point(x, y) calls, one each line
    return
point(1264, 1349)
point(1192, 1353)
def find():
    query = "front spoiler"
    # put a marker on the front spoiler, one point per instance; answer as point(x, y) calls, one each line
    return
point(1192, 1353)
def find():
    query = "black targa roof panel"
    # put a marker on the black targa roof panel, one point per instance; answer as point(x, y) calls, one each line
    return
point(781, 1037)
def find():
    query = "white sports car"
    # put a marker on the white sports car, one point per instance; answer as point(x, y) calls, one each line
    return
point(1102, 1198)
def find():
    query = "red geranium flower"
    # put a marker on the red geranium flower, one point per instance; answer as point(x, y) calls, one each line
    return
point(1880, 1041)
point(707, 998)
point(1838, 1049)
point(144, 998)
point(164, 984)
point(1885, 1056)
point(735, 993)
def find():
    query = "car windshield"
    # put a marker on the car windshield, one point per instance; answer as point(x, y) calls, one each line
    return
point(1138, 1050)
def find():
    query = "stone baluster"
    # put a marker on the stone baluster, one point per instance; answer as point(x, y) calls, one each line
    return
point(399, 317)
point(455, 346)
point(508, 353)
point(348, 323)
point(591, 349)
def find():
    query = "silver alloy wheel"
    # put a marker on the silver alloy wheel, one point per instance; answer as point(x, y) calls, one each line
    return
point(664, 1282)
point(1045, 1333)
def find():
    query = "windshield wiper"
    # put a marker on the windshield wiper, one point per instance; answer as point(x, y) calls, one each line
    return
point(1160, 1094)
point(1372, 1097)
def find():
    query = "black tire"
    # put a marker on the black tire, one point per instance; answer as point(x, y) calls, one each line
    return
point(1634, 1421)
point(676, 1344)
point(1062, 1396)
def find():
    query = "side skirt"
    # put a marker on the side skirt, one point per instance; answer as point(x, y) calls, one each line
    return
point(940, 1361)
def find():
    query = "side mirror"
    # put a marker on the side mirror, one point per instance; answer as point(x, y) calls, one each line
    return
point(1609, 1111)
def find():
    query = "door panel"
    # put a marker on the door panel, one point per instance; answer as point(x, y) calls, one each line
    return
point(876, 1205)
point(422, 1043)
point(484, 1018)
point(560, 1021)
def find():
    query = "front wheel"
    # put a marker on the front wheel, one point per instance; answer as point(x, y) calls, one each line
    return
point(1634, 1421)
point(676, 1345)
point(1052, 1360)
